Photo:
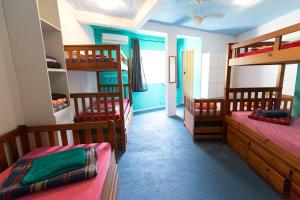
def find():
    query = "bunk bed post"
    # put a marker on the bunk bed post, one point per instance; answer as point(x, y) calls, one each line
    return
point(227, 87)
point(228, 77)
point(120, 89)
point(98, 81)
point(279, 84)
point(129, 81)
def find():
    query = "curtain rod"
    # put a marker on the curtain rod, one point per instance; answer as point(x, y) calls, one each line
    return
point(151, 40)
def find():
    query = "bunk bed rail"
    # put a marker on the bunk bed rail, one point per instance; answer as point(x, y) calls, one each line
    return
point(239, 99)
point(20, 141)
point(102, 88)
point(96, 106)
point(94, 57)
point(249, 99)
point(273, 43)
point(204, 108)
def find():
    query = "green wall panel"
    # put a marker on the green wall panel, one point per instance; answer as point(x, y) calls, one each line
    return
point(296, 107)
point(155, 96)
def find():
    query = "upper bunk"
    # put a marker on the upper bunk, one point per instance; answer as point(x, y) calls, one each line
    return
point(95, 58)
point(269, 49)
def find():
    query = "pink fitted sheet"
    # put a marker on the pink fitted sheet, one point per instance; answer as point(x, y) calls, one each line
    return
point(87, 189)
point(287, 137)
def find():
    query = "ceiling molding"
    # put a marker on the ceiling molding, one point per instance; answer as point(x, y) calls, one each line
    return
point(138, 21)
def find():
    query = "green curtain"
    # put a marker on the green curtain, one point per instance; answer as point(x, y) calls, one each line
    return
point(296, 106)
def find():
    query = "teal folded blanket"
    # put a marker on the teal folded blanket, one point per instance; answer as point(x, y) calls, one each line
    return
point(52, 165)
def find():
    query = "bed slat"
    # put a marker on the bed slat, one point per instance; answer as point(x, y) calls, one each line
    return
point(14, 148)
point(38, 139)
point(88, 136)
point(76, 137)
point(64, 138)
point(3, 159)
point(51, 138)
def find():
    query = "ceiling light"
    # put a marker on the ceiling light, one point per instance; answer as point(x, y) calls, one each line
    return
point(246, 3)
point(112, 4)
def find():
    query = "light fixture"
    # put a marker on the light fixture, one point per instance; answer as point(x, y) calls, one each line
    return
point(112, 4)
point(245, 3)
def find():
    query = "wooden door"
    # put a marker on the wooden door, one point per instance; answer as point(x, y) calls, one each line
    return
point(188, 66)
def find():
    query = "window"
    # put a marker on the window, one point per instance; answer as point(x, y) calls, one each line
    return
point(153, 63)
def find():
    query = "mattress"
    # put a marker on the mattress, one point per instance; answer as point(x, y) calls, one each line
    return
point(82, 60)
point(88, 116)
point(287, 137)
point(270, 49)
point(88, 189)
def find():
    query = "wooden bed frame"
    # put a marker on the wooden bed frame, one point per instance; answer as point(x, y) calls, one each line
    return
point(99, 58)
point(278, 166)
point(204, 118)
point(18, 142)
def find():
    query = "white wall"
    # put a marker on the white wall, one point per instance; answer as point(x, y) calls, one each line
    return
point(266, 76)
point(10, 105)
point(76, 33)
point(212, 43)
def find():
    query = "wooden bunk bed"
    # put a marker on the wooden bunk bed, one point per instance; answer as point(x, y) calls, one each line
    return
point(31, 142)
point(271, 149)
point(111, 101)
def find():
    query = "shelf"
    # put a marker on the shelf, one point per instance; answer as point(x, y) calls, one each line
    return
point(60, 112)
point(46, 26)
point(56, 70)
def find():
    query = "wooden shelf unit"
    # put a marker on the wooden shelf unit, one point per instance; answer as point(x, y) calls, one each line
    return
point(30, 43)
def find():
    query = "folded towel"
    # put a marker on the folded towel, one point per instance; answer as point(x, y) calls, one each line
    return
point(12, 188)
point(52, 165)
point(272, 113)
point(276, 120)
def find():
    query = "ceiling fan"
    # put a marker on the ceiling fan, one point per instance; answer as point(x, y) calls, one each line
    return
point(196, 18)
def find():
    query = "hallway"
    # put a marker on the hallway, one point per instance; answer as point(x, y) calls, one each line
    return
point(162, 162)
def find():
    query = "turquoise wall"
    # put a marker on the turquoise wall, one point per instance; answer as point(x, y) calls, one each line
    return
point(155, 96)
point(180, 49)
point(184, 44)
point(296, 107)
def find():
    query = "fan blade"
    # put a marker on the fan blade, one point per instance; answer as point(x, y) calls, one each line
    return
point(182, 20)
point(217, 15)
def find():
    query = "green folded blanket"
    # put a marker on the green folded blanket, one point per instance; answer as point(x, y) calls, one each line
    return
point(52, 165)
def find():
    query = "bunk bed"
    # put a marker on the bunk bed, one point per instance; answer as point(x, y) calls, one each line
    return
point(273, 150)
point(32, 142)
point(111, 101)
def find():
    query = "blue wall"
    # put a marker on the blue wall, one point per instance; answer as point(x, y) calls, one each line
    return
point(296, 106)
point(155, 96)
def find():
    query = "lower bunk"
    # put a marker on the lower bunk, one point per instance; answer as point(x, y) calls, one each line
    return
point(33, 142)
point(93, 107)
point(204, 118)
point(273, 150)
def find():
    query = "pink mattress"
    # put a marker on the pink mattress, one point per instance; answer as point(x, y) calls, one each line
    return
point(88, 189)
point(287, 137)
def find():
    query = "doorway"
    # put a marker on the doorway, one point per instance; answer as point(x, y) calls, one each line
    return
point(189, 70)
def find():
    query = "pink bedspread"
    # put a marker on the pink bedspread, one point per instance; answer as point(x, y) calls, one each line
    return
point(287, 137)
point(88, 189)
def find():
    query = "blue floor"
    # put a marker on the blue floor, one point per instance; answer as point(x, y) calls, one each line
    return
point(162, 162)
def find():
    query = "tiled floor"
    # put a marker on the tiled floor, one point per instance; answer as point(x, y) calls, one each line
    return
point(162, 162)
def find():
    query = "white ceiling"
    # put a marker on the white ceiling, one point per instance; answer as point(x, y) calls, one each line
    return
point(124, 8)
